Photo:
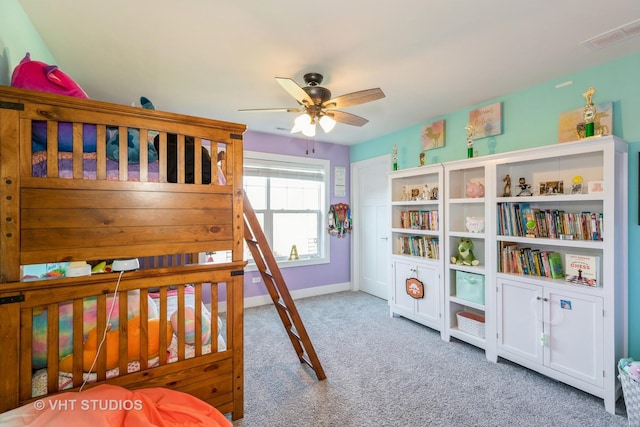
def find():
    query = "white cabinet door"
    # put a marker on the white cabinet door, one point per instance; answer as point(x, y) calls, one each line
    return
point(428, 307)
point(560, 330)
point(574, 335)
point(426, 310)
point(520, 319)
point(402, 303)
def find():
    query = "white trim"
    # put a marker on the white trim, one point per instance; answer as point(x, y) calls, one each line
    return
point(301, 293)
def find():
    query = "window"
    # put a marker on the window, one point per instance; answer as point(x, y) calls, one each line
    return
point(289, 195)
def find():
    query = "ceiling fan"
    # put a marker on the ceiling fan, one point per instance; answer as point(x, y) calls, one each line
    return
point(317, 106)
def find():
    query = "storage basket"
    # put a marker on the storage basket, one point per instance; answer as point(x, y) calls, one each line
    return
point(631, 392)
point(470, 286)
point(471, 323)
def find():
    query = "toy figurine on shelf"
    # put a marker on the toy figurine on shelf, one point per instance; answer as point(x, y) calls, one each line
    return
point(525, 189)
point(405, 194)
point(506, 192)
point(422, 158)
point(469, 129)
point(434, 193)
point(426, 193)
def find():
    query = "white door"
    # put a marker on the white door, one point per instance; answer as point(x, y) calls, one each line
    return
point(371, 225)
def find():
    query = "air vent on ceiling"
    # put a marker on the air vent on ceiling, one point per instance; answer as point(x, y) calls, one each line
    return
point(613, 36)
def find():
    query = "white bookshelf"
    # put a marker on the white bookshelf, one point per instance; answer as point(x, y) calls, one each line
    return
point(573, 333)
point(416, 244)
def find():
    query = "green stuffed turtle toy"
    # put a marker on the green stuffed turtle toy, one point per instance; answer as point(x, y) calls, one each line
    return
point(465, 253)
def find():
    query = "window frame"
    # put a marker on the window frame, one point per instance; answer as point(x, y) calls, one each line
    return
point(323, 240)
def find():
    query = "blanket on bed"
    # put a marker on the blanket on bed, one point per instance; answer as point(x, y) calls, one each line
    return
point(108, 405)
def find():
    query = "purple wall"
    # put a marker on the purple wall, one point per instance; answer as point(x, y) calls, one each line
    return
point(338, 270)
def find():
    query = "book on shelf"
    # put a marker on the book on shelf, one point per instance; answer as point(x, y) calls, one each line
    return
point(582, 269)
point(555, 265)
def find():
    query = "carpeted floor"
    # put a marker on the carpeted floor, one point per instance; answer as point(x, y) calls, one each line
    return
point(384, 371)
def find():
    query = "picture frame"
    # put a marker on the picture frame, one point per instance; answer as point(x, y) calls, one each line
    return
point(550, 188)
point(486, 121)
point(433, 135)
point(576, 188)
point(595, 187)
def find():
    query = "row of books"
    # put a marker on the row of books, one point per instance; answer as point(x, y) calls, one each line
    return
point(419, 220)
point(577, 269)
point(422, 246)
point(530, 262)
point(519, 219)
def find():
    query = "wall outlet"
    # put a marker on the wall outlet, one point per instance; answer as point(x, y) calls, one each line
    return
point(255, 280)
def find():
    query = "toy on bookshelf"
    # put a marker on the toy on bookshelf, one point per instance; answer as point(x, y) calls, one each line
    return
point(582, 269)
point(464, 254)
point(525, 189)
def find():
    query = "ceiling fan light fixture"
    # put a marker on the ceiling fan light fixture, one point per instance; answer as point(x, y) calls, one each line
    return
point(309, 130)
point(327, 123)
point(306, 124)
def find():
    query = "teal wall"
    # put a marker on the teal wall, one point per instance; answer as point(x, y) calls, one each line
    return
point(17, 37)
point(530, 119)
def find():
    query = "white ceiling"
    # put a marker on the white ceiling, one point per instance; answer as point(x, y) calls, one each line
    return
point(211, 58)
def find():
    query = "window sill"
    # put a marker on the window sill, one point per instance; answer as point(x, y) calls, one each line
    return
point(289, 264)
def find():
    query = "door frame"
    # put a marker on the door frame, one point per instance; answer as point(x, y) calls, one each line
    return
point(355, 213)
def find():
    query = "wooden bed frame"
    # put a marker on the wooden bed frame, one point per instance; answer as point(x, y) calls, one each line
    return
point(51, 219)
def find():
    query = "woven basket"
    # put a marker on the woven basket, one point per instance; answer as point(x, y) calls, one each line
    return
point(631, 392)
point(471, 323)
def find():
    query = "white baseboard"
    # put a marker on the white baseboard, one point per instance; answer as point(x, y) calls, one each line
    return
point(301, 293)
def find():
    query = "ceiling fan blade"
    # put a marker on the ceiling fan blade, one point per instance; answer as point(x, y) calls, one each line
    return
point(354, 98)
point(271, 110)
point(295, 90)
point(347, 118)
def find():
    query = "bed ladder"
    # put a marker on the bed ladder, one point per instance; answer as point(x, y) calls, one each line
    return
point(273, 280)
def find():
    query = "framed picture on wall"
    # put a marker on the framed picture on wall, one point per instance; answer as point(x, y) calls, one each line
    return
point(486, 121)
point(433, 135)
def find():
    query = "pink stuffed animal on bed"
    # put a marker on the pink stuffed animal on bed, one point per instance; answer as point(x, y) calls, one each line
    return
point(36, 75)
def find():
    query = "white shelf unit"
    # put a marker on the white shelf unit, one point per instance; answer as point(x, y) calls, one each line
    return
point(570, 332)
point(416, 243)
point(458, 207)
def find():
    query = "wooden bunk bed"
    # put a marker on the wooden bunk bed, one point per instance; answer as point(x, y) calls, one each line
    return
point(60, 207)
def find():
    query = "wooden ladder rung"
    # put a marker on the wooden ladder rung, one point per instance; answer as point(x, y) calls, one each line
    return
point(294, 334)
point(281, 306)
